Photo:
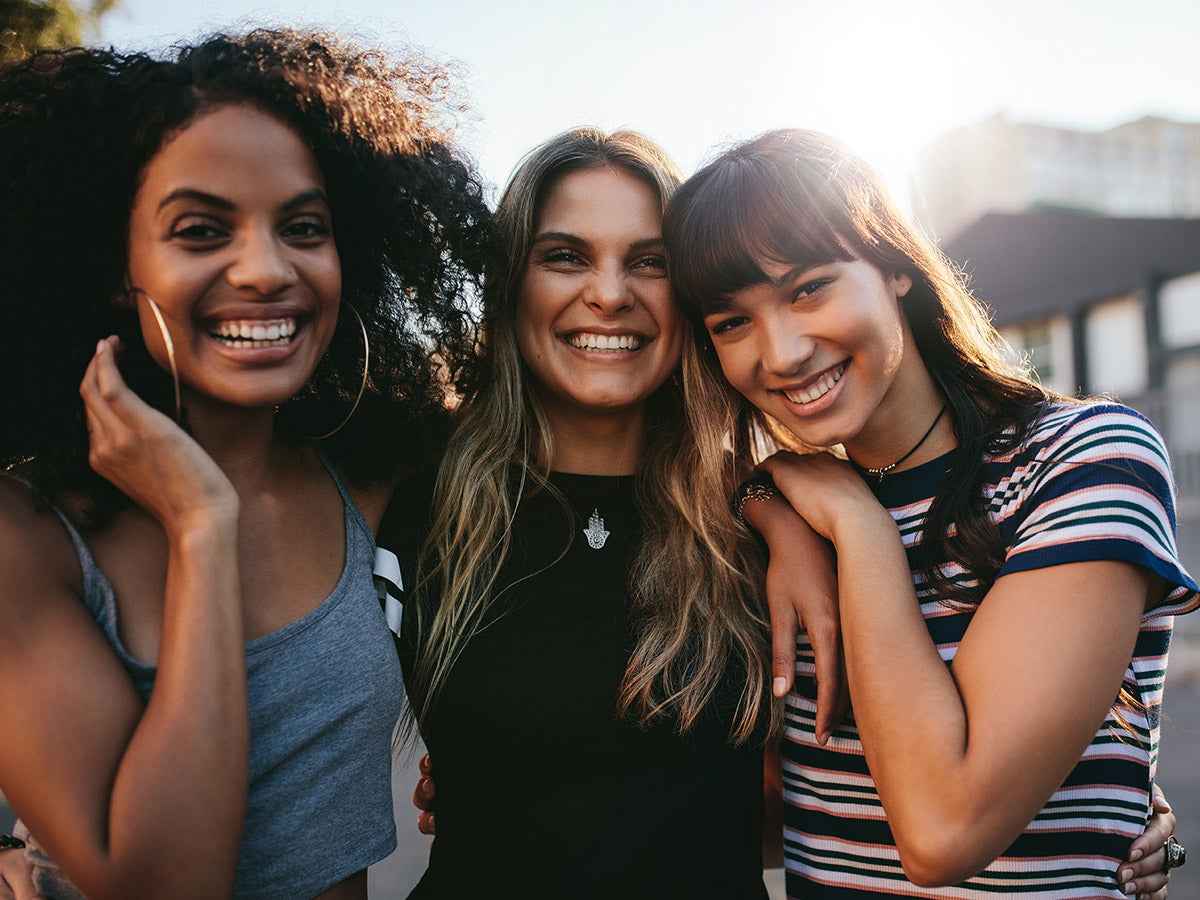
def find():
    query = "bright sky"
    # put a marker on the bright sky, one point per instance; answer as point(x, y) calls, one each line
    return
point(882, 75)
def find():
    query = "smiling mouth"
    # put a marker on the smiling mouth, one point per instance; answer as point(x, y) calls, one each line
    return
point(241, 334)
point(815, 391)
point(606, 342)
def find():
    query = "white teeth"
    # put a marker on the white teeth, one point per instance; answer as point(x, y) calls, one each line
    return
point(820, 389)
point(245, 333)
point(584, 341)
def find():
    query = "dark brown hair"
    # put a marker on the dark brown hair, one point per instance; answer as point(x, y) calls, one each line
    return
point(77, 129)
point(801, 198)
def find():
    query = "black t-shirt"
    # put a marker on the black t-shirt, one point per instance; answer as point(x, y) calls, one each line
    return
point(542, 790)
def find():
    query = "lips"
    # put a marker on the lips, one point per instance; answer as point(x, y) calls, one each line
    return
point(242, 334)
point(611, 343)
point(817, 389)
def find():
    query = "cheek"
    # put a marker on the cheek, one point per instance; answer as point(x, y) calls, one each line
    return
point(736, 363)
point(894, 338)
point(527, 346)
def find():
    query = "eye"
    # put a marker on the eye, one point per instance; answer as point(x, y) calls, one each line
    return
point(809, 288)
point(723, 325)
point(308, 230)
point(195, 230)
point(652, 263)
point(562, 256)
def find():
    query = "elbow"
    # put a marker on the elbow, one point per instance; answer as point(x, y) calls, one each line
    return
point(939, 856)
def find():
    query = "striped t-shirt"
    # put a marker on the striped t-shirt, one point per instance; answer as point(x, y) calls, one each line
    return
point(1091, 482)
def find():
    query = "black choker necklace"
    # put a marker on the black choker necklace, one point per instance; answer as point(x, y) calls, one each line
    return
point(883, 470)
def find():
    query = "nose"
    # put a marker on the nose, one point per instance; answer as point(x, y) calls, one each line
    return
point(784, 347)
point(261, 263)
point(607, 290)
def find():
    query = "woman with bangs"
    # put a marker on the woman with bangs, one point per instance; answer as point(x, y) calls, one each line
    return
point(1006, 557)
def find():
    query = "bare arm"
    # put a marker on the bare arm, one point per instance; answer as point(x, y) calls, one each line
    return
point(960, 765)
point(130, 801)
point(802, 594)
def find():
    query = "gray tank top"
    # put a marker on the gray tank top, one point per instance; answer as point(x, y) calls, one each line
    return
point(325, 692)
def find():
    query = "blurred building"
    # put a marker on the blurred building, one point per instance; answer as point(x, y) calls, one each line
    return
point(1103, 305)
point(1147, 168)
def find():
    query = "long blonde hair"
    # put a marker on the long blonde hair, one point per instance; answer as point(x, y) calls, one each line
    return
point(697, 580)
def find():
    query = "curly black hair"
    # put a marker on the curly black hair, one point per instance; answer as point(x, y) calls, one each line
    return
point(77, 129)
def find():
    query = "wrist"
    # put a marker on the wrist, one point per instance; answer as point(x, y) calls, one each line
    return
point(753, 490)
point(209, 526)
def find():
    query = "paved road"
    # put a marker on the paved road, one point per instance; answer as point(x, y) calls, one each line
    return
point(1179, 755)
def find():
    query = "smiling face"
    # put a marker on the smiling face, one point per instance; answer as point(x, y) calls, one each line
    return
point(595, 320)
point(231, 235)
point(827, 351)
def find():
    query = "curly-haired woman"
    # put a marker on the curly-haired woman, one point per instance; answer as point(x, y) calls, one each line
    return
point(195, 673)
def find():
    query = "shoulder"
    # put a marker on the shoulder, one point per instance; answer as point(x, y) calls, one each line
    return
point(34, 543)
point(1091, 432)
point(41, 581)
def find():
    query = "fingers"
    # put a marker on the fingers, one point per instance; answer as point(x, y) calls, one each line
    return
point(1141, 874)
point(1144, 876)
point(784, 627)
point(425, 823)
point(423, 796)
point(1160, 827)
point(827, 652)
point(101, 418)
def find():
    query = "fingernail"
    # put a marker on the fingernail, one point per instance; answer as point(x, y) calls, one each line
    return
point(779, 686)
point(823, 738)
point(1128, 888)
point(1134, 856)
point(1126, 874)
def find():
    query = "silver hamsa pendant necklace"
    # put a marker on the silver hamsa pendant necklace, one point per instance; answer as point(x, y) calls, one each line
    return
point(596, 535)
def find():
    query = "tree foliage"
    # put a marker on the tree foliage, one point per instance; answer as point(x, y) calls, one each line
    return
point(29, 25)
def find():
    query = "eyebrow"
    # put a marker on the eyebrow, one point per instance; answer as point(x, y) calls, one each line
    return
point(716, 306)
point(221, 203)
point(653, 243)
point(723, 304)
point(790, 275)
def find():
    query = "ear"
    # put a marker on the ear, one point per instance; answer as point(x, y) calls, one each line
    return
point(127, 299)
point(901, 284)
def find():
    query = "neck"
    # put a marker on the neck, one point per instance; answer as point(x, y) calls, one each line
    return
point(243, 442)
point(598, 445)
point(903, 432)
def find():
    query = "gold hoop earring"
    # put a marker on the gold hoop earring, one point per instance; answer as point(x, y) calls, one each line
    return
point(170, 346)
point(362, 387)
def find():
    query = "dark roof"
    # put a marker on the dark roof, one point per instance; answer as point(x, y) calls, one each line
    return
point(1026, 265)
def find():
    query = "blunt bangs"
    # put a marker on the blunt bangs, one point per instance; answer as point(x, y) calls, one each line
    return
point(743, 209)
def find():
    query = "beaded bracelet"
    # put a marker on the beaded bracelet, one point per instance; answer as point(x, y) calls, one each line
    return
point(760, 487)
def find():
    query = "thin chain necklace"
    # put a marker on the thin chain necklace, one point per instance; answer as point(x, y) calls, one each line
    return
point(883, 470)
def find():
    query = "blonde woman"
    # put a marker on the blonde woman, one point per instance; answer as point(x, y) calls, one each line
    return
point(588, 651)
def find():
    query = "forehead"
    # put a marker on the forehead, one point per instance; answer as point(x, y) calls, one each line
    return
point(233, 151)
point(601, 202)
